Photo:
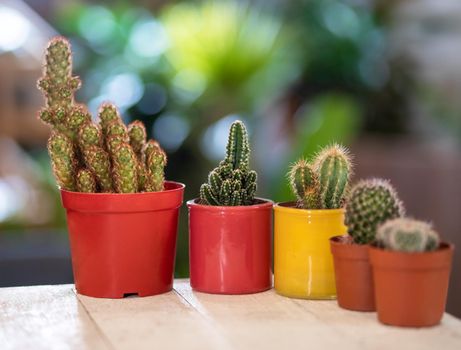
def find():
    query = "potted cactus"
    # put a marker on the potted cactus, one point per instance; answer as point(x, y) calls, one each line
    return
point(369, 204)
point(411, 270)
point(230, 229)
point(121, 214)
point(303, 264)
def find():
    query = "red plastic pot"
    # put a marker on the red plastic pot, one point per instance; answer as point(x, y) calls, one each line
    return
point(230, 247)
point(411, 288)
point(353, 274)
point(123, 243)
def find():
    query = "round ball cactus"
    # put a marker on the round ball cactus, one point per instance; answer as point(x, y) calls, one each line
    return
point(369, 204)
point(407, 235)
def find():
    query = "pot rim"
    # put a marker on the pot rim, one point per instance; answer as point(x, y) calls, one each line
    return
point(263, 204)
point(343, 247)
point(287, 207)
point(395, 260)
point(443, 246)
point(177, 186)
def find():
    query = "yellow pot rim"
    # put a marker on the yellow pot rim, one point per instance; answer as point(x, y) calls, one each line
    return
point(283, 208)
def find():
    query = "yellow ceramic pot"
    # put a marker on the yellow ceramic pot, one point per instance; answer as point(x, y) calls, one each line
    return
point(303, 263)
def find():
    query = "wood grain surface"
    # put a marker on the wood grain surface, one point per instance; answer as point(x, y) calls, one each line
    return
point(55, 317)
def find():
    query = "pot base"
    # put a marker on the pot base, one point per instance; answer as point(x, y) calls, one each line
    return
point(307, 297)
point(253, 291)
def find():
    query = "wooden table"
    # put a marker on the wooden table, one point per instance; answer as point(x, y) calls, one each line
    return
point(54, 317)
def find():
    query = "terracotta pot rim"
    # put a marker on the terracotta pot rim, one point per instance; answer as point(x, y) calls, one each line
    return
point(289, 207)
point(443, 246)
point(395, 260)
point(176, 186)
point(343, 247)
point(262, 203)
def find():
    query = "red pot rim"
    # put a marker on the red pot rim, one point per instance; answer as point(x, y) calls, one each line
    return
point(343, 247)
point(261, 204)
point(169, 198)
point(384, 258)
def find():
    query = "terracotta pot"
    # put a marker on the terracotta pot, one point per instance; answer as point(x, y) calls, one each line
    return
point(230, 247)
point(354, 279)
point(123, 243)
point(303, 263)
point(411, 288)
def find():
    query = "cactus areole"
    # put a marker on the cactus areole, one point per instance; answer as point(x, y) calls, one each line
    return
point(87, 157)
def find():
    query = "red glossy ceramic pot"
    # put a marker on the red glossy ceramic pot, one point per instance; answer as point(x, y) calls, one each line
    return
point(123, 243)
point(230, 247)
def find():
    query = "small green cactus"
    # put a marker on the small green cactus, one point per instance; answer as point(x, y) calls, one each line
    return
point(108, 113)
point(98, 162)
point(137, 134)
point(333, 168)
point(124, 169)
point(369, 204)
point(407, 235)
point(155, 162)
point(89, 135)
point(86, 181)
point(232, 183)
point(63, 160)
point(88, 157)
point(305, 184)
point(323, 183)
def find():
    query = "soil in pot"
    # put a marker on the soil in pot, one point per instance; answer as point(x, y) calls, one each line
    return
point(411, 288)
point(354, 279)
point(303, 263)
point(230, 247)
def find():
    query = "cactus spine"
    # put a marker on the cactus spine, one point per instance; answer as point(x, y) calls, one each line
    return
point(370, 203)
point(89, 157)
point(407, 235)
point(232, 183)
point(323, 183)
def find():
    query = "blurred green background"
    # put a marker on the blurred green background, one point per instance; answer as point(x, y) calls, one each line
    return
point(379, 76)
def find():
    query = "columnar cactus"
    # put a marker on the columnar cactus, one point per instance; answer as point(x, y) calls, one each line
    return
point(63, 160)
point(370, 203)
point(153, 176)
point(305, 184)
point(59, 86)
point(86, 181)
point(124, 169)
point(323, 183)
point(89, 157)
point(407, 235)
point(232, 183)
point(333, 167)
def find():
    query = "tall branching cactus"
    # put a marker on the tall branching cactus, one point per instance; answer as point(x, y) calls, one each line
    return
point(407, 235)
point(323, 183)
point(232, 183)
point(89, 157)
